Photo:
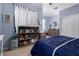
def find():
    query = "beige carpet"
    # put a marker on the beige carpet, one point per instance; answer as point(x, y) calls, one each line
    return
point(23, 51)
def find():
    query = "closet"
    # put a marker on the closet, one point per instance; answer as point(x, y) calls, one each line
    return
point(69, 25)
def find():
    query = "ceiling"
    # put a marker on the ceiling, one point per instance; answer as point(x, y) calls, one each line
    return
point(49, 10)
point(38, 5)
point(31, 5)
point(61, 6)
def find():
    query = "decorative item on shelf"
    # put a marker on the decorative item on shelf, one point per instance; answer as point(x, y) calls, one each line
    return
point(32, 31)
point(6, 18)
point(27, 31)
point(32, 41)
point(21, 31)
point(26, 36)
point(21, 37)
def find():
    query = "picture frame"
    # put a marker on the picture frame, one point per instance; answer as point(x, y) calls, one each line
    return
point(6, 18)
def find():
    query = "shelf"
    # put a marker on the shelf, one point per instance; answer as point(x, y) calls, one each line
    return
point(28, 33)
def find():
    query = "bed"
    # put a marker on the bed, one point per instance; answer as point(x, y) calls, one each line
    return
point(56, 46)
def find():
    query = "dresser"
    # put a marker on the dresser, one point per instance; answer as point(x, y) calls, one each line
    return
point(53, 32)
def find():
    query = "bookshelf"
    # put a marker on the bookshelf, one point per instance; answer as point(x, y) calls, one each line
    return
point(27, 35)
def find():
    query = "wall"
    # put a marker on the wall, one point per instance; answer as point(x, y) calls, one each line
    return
point(55, 18)
point(70, 11)
point(70, 16)
point(7, 28)
point(50, 20)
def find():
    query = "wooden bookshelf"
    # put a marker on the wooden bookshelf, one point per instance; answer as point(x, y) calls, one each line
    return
point(27, 35)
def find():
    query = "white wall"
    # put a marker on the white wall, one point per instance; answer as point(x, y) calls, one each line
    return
point(70, 26)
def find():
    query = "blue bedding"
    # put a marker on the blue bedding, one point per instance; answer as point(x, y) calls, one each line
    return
point(69, 49)
point(45, 47)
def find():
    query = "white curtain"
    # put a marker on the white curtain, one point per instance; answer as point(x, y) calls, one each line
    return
point(16, 18)
point(25, 17)
point(20, 17)
point(29, 17)
point(32, 18)
point(35, 18)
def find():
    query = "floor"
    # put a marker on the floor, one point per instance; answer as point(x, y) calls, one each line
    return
point(23, 51)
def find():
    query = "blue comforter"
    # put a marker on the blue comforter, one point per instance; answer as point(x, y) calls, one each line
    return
point(45, 47)
point(69, 49)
